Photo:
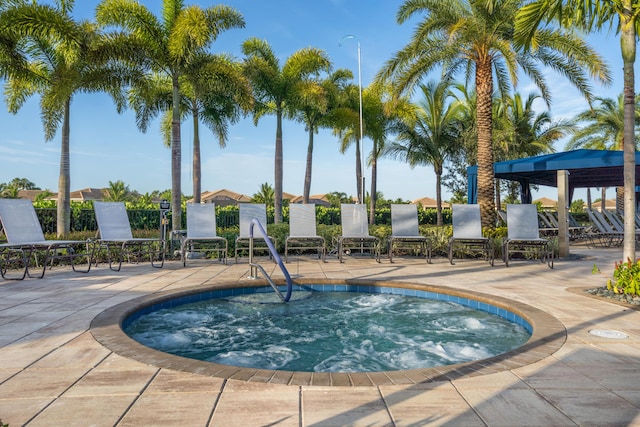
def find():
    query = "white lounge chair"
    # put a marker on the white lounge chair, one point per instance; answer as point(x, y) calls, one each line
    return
point(355, 231)
point(302, 231)
point(404, 231)
point(25, 240)
point(201, 237)
point(523, 235)
point(115, 232)
point(247, 212)
point(467, 232)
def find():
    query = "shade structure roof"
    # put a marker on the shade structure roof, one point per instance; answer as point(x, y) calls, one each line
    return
point(587, 169)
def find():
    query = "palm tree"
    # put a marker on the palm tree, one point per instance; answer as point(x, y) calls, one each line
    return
point(604, 130)
point(345, 121)
point(214, 92)
point(167, 47)
point(264, 195)
point(315, 104)
point(589, 16)
point(429, 136)
point(381, 113)
point(525, 132)
point(275, 89)
point(476, 36)
point(118, 191)
point(61, 57)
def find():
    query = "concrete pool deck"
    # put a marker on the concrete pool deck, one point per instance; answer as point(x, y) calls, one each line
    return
point(54, 372)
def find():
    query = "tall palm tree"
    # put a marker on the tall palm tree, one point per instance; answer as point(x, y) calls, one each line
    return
point(476, 36)
point(623, 15)
point(167, 47)
point(275, 89)
point(58, 58)
point(346, 126)
point(214, 92)
point(381, 113)
point(429, 136)
point(315, 104)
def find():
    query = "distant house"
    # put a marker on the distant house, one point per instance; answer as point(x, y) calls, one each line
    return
point(87, 194)
point(317, 199)
point(223, 198)
point(75, 196)
point(546, 203)
point(30, 194)
point(429, 203)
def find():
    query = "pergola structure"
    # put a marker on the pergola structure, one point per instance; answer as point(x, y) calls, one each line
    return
point(566, 171)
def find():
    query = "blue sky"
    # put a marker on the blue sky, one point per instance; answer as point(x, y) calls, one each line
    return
point(107, 146)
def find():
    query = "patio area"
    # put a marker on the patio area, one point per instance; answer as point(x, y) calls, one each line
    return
point(54, 372)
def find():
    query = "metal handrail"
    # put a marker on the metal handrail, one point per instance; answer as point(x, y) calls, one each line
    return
point(276, 257)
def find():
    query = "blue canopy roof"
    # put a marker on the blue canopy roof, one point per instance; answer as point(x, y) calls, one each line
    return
point(587, 169)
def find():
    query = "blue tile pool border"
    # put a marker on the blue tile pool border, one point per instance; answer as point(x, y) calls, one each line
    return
point(548, 334)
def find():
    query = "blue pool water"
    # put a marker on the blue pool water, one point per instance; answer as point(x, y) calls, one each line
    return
point(328, 332)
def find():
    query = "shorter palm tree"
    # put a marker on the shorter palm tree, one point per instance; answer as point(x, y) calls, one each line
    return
point(429, 135)
point(264, 195)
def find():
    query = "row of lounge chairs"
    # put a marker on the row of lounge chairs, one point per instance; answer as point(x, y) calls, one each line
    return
point(25, 237)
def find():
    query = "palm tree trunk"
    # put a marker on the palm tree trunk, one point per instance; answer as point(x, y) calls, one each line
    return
point(359, 173)
point(197, 168)
point(484, 88)
point(63, 222)
point(438, 169)
point(628, 47)
point(307, 174)
point(374, 189)
point(439, 199)
point(277, 186)
point(498, 199)
point(176, 158)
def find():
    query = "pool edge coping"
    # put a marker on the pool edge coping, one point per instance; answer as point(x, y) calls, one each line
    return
point(548, 335)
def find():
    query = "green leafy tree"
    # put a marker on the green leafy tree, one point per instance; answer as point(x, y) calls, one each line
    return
point(167, 47)
point(61, 58)
point(336, 198)
point(275, 89)
point(429, 135)
point(477, 37)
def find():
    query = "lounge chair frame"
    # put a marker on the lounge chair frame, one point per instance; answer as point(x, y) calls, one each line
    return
point(603, 234)
point(201, 235)
point(115, 236)
point(523, 235)
point(405, 234)
point(247, 212)
point(302, 232)
point(467, 233)
point(26, 241)
point(355, 231)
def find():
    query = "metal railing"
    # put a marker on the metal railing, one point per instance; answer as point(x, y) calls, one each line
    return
point(255, 267)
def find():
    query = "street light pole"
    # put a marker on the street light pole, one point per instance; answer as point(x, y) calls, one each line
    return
point(362, 190)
